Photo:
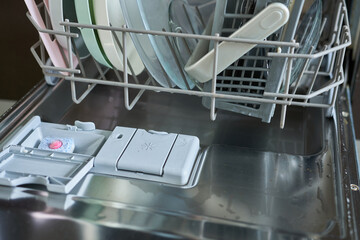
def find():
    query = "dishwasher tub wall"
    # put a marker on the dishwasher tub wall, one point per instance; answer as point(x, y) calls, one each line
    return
point(257, 181)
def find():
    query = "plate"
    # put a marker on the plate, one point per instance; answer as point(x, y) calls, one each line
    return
point(51, 45)
point(191, 17)
point(142, 43)
point(108, 13)
point(91, 39)
point(59, 11)
point(155, 16)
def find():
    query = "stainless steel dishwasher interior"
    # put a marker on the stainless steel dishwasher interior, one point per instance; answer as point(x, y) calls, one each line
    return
point(256, 179)
point(303, 135)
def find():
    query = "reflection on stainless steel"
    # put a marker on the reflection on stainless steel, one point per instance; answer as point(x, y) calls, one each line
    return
point(185, 114)
point(257, 181)
point(242, 187)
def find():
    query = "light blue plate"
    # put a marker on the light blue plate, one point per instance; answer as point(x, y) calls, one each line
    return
point(155, 16)
point(142, 43)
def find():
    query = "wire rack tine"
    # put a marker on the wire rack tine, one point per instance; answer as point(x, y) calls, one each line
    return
point(315, 75)
point(341, 76)
point(342, 16)
point(333, 60)
point(336, 25)
point(128, 61)
point(81, 66)
point(42, 63)
point(83, 96)
point(340, 59)
point(128, 106)
point(69, 47)
point(126, 89)
point(287, 86)
point(176, 61)
point(71, 63)
point(118, 76)
point(138, 96)
point(335, 94)
point(64, 56)
point(213, 113)
point(91, 86)
point(47, 24)
point(42, 51)
point(306, 65)
point(47, 18)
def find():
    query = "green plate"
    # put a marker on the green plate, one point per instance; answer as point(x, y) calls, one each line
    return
point(84, 14)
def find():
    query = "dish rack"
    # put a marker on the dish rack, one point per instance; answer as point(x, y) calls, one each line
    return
point(319, 94)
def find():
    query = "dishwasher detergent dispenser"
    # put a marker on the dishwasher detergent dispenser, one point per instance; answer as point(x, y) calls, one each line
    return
point(59, 156)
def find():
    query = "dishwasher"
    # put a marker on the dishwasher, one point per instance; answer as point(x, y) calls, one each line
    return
point(230, 119)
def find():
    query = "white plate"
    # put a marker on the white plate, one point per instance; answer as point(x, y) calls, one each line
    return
point(108, 12)
point(56, 16)
point(65, 9)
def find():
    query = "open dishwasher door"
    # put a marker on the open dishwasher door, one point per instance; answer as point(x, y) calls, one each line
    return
point(239, 177)
point(256, 180)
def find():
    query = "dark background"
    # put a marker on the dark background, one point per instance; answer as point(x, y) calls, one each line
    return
point(19, 71)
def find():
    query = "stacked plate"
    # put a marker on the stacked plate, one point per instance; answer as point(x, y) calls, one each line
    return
point(165, 57)
point(103, 45)
point(143, 44)
point(59, 11)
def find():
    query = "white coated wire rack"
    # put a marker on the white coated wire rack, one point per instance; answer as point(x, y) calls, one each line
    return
point(291, 95)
